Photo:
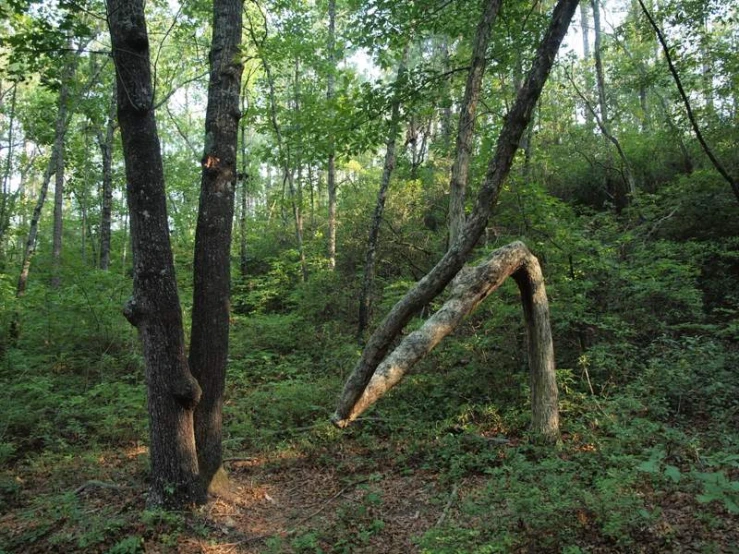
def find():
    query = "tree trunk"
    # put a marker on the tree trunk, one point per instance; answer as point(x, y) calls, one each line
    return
point(106, 151)
point(30, 247)
point(5, 192)
point(154, 309)
point(733, 182)
point(603, 120)
point(70, 68)
point(468, 290)
point(585, 29)
point(212, 266)
point(331, 170)
point(499, 167)
point(296, 185)
point(387, 171)
point(461, 166)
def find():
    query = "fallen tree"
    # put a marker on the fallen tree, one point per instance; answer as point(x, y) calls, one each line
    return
point(499, 166)
point(471, 286)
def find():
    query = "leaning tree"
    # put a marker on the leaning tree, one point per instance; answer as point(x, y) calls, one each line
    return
point(376, 371)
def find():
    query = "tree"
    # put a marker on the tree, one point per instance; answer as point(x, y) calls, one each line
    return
point(212, 267)
point(154, 309)
point(498, 168)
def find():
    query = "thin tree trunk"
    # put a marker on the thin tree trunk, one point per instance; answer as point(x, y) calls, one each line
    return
point(296, 185)
point(585, 29)
point(734, 183)
point(154, 308)
point(212, 267)
point(499, 167)
point(30, 247)
point(5, 192)
point(461, 166)
point(70, 68)
point(387, 171)
point(106, 150)
point(244, 196)
point(468, 290)
point(603, 120)
point(331, 170)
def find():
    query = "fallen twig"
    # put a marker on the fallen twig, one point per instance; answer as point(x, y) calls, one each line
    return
point(452, 498)
point(94, 483)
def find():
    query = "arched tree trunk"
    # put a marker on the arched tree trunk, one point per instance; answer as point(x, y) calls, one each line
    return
point(468, 290)
point(446, 269)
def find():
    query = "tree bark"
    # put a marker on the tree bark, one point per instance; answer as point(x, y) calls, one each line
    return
point(105, 143)
point(603, 120)
point(30, 247)
point(461, 165)
point(154, 309)
point(331, 169)
point(70, 68)
point(212, 266)
point(5, 204)
point(387, 172)
point(499, 167)
point(468, 290)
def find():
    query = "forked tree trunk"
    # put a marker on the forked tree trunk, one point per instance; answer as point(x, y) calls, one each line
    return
point(212, 267)
point(387, 172)
point(468, 290)
point(172, 391)
point(499, 167)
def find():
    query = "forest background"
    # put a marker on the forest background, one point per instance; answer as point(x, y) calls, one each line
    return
point(634, 226)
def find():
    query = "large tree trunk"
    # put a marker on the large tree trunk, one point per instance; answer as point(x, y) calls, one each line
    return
point(154, 309)
point(499, 167)
point(331, 170)
point(461, 166)
point(212, 267)
point(468, 290)
point(387, 172)
point(105, 142)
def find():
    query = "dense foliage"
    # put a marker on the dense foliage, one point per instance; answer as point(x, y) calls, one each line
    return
point(642, 285)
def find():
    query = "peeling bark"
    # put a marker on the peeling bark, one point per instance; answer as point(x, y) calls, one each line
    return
point(471, 286)
point(499, 167)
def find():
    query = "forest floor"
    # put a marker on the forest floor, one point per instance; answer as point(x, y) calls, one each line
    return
point(442, 465)
point(292, 501)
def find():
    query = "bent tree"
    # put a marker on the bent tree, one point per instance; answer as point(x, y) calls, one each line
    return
point(434, 282)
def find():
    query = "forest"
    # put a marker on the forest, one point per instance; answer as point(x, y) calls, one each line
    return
point(254, 276)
